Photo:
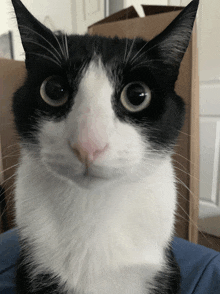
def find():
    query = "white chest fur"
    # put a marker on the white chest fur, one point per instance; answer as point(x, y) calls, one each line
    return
point(101, 240)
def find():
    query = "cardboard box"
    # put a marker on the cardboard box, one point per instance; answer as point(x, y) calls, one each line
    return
point(12, 75)
point(126, 23)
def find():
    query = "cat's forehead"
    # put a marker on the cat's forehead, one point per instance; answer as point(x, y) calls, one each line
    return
point(95, 86)
point(108, 49)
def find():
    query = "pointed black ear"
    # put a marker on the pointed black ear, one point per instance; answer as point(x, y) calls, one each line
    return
point(174, 40)
point(38, 40)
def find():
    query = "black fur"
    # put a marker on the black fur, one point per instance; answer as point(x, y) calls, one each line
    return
point(24, 284)
point(168, 280)
point(154, 62)
point(44, 283)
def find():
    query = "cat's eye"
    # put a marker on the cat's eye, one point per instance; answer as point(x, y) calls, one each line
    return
point(135, 96)
point(54, 91)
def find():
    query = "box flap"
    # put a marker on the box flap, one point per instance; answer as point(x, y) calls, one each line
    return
point(127, 13)
point(130, 12)
point(143, 27)
point(156, 9)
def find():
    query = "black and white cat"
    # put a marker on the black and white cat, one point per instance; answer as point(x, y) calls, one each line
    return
point(95, 192)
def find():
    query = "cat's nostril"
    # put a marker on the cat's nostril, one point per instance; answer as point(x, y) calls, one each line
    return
point(88, 152)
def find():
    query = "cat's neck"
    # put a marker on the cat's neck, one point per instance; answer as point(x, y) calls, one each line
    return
point(113, 225)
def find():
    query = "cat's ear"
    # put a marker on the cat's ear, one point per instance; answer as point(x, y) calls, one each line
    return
point(174, 40)
point(37, 39)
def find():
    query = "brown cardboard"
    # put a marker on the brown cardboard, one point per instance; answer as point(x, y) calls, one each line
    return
point(157, 9)
point(194, 143)
point(186, 158)
point(11, 77)
point(124, 14)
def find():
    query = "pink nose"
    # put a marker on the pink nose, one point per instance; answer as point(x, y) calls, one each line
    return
point(88, 151)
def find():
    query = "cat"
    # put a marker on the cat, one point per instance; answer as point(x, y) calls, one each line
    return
point(95, 193)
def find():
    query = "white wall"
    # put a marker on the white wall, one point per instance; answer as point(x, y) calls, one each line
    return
point(116, 5)
point(48, 12)
point(8, 22)
point(60, 13)
point(71, 16)
point(208, 37)
point(5, 22)
point(209, 40)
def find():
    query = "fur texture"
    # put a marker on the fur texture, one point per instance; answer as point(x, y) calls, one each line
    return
point(95, 191)
point(90, 228)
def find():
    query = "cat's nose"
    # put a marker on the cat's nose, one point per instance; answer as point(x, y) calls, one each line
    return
point(87, 152)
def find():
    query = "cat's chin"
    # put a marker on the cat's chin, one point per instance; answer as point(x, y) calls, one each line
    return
point(83, 177)
point(89, 181)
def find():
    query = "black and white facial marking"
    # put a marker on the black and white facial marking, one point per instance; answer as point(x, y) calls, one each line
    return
point(95, 192)
point(97, 97)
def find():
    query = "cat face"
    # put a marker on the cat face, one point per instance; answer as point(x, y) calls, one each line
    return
point(95, 108)
point(90, 142)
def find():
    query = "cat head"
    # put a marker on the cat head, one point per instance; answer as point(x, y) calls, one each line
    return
point(100, 107)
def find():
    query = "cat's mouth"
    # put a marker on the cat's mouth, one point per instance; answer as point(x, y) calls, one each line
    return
point(92, 176)
point(95, 172)
point(82, 174)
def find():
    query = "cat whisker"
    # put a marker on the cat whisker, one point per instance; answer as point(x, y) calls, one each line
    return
point(182, 196)
point(186, 213)
point(194, 165)
point(189, 135)
point(33, 31)
point(147, 63)
point(8, 189)
point(5, 181)
point(186, 173)
point(45, 57)
point(179, 163)
point(66, 46)
point(11, 154)
point(141, 66)
point(184, 185)
point(126, 48)
point(190, 161)
point(133, 59)
point(11, 186)
point(9, 168)
point(7, 199)
point(180, 216)
point(126, 45)
point(130, 51)
point(48, 50)
point(10, 146)
point(150, 48)
point(58, 42)
point(196, 225)
point(142, 54)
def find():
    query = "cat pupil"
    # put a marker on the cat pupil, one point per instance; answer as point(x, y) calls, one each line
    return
point(55, 89)
point(136, 94)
